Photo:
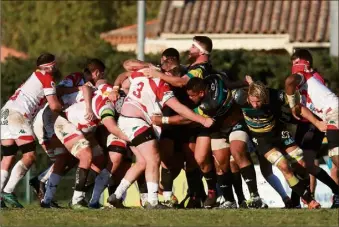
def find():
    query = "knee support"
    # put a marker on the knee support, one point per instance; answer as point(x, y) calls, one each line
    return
point(79, 145)
point(218, 144)
point(296, 155)
point(28, 147)
point(275, 157)
point(9, 150)
point(333, 152)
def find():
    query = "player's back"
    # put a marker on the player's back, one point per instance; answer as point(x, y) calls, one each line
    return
point(29, 98)
point(147, 93)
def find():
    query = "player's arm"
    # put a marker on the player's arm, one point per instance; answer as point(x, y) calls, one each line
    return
point(230, 84)
point(135, 65)
point(114, 95)
point(305, 113)
point(61, 90)
point(172, 80)
point(291, 84)
point(172, 120)
point(87, 93)
point(107, 119)
point(184, 111)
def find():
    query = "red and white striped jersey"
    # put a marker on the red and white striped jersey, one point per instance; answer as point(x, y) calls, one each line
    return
point(148, 94)
point(100, 102)
point(30, 97)
point(315, 95)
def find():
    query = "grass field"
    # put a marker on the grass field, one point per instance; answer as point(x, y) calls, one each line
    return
point(35, 216)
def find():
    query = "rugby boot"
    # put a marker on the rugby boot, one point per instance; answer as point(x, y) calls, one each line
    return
point(211, 199)
point(115, 202)
point(256, 202)
point(288, 203)
point(335, 202)
point(54, 204)
point(227, 205)
point(2, 204)
point(157, 206)
point(12, 200)
point(191, 202)
point(172, 203)
point(243, 204)
point(96, 205)
point(81, 205)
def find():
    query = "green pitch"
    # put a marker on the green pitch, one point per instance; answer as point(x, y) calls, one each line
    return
point(34, 216)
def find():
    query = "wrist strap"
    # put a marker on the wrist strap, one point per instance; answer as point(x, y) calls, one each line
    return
point(164, 120)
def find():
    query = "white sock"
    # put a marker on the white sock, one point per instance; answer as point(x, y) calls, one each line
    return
point(101, 182)
point(51, 187)
point(4, 177)
point(167, 195)
point(274, 181)
point(18, 172)
point(122, 188)
point(43, 177)
point(152, 189)
point(143, 198)
point(78, 196)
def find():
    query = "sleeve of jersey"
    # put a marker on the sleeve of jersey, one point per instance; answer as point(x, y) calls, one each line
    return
point(48, 84)
point(164, 93)
point(199, 111)
point(106, 110)
point(195, 73)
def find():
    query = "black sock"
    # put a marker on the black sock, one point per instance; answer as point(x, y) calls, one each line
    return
point(211, 180)
point(326, 179)
point(295, 199)
point(225, 184)
point(90, 181)
point(248, 173)
point(237, 184)
point(80, 179)
point(302, 191)
point(142, 183)
point(195, 184)
point(166, 179)
point(112, 188)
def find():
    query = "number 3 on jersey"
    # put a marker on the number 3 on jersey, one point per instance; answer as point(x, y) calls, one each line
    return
point(137, 92)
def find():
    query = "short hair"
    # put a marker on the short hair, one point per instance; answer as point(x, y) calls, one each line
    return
point(45, 58)
point(196, 85)
point(302, 54)
point(95, 64)
point(171, 52)
point(259, 90)
point(205, 41)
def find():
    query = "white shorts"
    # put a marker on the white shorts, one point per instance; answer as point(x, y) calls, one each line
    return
point(15, 126)
point(65, 130)
point(132, 127)
point(43, 125)
point(112, 140)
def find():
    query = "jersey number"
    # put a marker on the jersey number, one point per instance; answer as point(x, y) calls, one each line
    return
point(137, 92)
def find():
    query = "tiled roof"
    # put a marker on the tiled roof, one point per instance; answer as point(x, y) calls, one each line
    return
point(304, 21)
point(6, 52)
point(128, 34)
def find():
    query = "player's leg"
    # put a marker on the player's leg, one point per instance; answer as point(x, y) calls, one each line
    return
point(237, 183)
point(221, 154)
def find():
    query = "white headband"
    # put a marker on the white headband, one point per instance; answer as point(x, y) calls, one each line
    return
point(48, 64)
point(202, 50)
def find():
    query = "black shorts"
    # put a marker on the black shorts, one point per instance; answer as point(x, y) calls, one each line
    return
point(180, 135)
point(308, 137)
point(224, 132)
point(277, 138)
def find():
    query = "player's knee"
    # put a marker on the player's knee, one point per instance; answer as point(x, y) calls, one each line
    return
point(29, 156)
point(9, 150)
point(80, 147)
point(296, 156)
point(276, 158)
